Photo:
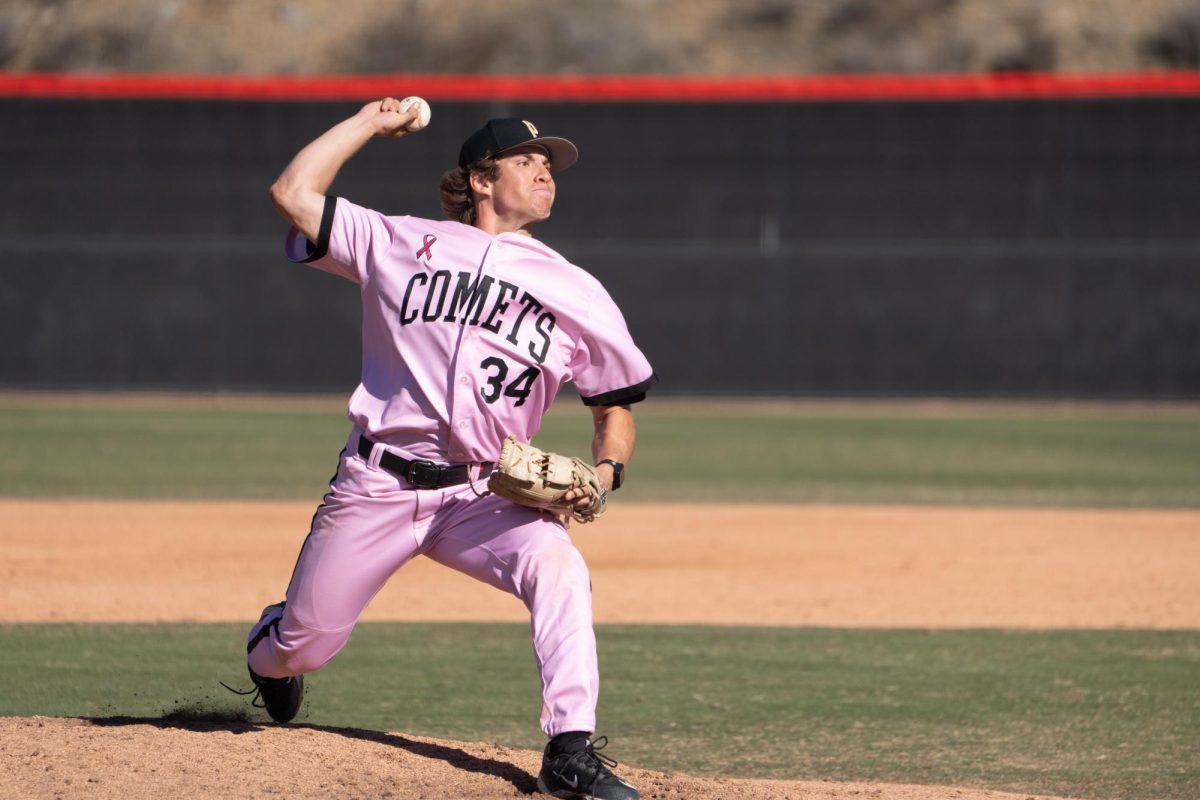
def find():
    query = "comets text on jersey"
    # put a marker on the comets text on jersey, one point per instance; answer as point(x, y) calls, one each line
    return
point(496, 305)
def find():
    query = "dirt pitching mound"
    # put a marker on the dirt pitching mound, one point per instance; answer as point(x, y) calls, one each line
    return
point(230, 756)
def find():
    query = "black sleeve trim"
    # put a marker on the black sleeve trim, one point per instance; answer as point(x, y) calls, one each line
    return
point(319, 249)
point(626, 396)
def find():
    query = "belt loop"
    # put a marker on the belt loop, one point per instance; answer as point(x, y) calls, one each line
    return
point(377, 451)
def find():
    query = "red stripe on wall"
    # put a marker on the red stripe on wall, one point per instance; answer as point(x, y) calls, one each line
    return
point(604, 88)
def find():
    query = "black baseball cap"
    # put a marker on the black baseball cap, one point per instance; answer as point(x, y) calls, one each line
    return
point(501, 135)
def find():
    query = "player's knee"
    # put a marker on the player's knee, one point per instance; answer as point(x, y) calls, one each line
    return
point(559, 567)
point(557, 556)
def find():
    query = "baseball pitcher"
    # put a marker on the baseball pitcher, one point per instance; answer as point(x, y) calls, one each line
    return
point(470, 327)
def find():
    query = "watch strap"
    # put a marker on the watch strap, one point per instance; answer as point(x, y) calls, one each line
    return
point(618, 471)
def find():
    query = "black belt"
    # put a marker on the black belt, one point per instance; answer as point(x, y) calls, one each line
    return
point(421, 474)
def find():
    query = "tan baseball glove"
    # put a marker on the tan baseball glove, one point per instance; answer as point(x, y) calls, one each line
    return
point(532, 477)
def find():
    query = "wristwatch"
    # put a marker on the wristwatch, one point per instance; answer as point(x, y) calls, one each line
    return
point(618, 471)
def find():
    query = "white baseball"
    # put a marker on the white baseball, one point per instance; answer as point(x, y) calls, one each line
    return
point(424, 112)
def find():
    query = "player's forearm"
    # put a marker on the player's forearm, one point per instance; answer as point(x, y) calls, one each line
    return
point(614, 438)
point(299, 192)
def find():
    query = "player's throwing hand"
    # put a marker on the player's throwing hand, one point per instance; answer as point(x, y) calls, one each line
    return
point(396, 118)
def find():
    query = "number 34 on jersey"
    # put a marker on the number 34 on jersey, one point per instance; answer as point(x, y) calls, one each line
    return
point(441, 297)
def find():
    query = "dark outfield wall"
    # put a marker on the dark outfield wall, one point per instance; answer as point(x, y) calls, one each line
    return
point(1018, 248)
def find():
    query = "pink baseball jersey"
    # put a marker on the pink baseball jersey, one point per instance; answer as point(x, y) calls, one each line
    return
point(467, 337)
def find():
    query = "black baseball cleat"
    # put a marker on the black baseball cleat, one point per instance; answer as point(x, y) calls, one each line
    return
point(583, 775)
point(281, 697)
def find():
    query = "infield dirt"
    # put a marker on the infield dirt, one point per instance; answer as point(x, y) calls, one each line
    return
point(749, 565)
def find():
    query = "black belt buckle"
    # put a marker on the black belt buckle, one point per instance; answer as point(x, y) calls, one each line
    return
point(424, 474)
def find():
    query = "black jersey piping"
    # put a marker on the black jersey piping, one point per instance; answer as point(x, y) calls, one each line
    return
point(626, 396)
point(318, 250)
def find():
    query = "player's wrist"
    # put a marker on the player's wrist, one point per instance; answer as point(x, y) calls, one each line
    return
point(370, 121)
point(612, 472)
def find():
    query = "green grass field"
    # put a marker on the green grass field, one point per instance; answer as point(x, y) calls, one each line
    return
point(1094, 714)
point(1089, 714)
point(823, 454)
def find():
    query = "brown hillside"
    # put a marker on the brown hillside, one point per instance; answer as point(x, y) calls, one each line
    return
point(622, 36)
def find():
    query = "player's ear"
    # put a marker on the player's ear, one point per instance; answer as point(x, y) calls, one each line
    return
point(479, 182)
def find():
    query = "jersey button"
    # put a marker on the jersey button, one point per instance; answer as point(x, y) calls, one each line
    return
point(464, 380)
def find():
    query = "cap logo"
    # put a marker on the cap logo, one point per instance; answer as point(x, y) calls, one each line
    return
point(532, 130)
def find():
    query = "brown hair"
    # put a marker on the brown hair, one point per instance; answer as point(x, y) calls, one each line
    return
point(458, 201)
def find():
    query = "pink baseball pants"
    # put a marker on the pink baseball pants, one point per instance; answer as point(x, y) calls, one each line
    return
point(373, 522)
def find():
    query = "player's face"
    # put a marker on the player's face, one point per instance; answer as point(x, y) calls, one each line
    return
point(525, 188)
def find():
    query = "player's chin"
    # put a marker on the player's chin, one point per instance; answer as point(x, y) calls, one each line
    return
point(543, 202)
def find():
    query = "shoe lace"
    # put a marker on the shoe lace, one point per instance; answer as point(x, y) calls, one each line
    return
point(598, 764)
point(593, 747)
point(256, 701)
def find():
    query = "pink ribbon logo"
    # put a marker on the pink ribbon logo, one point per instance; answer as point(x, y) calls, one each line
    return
point(426, 249)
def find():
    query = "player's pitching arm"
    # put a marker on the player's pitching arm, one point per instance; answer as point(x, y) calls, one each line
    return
point(614, 438)
point(299, 192)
